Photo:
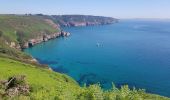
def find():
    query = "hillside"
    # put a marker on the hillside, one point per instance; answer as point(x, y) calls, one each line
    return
point(17, 30)
point(41, 83)
point(48, 85)
point(80, 20)
point(44, 83)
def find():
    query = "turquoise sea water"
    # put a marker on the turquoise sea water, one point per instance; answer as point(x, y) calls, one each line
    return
point(133, 52)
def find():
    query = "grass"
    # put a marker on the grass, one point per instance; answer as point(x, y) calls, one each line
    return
point(45, 84)
point(49, 85)
point(31, 26)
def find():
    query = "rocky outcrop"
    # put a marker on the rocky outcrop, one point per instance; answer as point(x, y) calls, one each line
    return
point(33, 41)
point(12, 44)
point(40, 39)
point(44, 38)
point(65, 34)
point(15, 45)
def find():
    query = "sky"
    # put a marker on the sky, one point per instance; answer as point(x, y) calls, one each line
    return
point(111, 8)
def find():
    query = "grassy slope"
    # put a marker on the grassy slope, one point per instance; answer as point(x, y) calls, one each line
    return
point(31, 26)
point(49, 85)
point(45, 83)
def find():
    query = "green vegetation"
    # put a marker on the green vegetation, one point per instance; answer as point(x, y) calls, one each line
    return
point(44, 84)
point(80, 20)
point(83, 18)
point(5, 50)
point(19, 28)
point(49, 85)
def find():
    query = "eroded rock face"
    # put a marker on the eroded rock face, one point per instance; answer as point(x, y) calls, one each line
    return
point(40, 39)
point(13, 45)
point(65, 34)
point(44, 38)
point(37, 40)
point(26, 45)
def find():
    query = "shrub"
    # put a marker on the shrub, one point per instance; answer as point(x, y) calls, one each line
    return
point(93, 92)
point(1, 33)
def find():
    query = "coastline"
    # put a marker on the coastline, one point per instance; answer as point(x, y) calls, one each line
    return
point(44, 38)
point(32, 61)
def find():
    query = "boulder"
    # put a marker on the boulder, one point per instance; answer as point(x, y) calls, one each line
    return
point(65, 34)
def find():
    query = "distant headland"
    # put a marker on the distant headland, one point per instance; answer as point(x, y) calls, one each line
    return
point(80, 20)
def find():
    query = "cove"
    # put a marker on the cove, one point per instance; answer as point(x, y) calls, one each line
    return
point(132, 52)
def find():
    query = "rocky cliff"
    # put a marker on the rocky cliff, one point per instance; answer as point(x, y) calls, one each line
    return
point(23, 31)
point(83, 20)
point(33, 41)
point(80, 20)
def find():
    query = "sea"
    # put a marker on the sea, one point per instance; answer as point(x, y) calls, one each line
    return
point(134, 52)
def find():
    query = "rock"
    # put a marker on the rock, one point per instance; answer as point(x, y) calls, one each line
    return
point(34, 60)
point(50, 69)
point(24, 89)
point(44, 38)
point(65, 34)
point(68, 34)
point(18, 47)
point(6, 42)
point(12, 44)
point(12, 92)
point(15, 86)
point(25, 45)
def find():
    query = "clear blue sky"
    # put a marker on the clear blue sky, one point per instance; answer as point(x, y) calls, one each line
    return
point(112, 8)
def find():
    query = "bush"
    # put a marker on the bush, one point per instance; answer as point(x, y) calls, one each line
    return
point(1, 33)
point(17, 80)
point(93, 92)
point(20, 37)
